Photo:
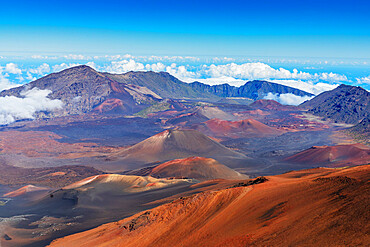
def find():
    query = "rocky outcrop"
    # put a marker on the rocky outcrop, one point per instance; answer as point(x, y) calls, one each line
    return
point(347, 104)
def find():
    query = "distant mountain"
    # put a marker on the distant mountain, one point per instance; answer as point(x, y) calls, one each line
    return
point(253, 89)
point(162, 83)
point(82, 89)
point(345, 103)
point(168, 86)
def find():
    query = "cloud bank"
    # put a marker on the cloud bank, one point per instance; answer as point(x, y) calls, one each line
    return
point(13, 108)
point(287, 98)
point(212, 70)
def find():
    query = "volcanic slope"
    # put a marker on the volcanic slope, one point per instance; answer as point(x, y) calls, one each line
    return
point(199, 115)
point(82, 205)
point(82, 89)
point(236, 129)
point(345, 103)
point(252, 89)
point(174, 144)
point(333, 156)
point(272, 105)
point(332, 211)
point(361, 131)
point(25, 190)
point(162, 83)
point(197, 168)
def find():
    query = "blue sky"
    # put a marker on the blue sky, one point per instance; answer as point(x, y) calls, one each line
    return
point(313, 45)
point(285, 28)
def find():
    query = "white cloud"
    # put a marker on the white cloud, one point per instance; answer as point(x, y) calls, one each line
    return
point(288, 98)
point(332, 77)
point(363, 80)
point(76, 57)
point(124, 66)
point(155, 67)
point(5, 83)
point(12, 68)
point(231, 73)
point(217, 81)
point(92, 65)
point(181, 72)
point(307, 86)
point(63, 66)
point(41, 70)
point(13, 108)
point(262, 71)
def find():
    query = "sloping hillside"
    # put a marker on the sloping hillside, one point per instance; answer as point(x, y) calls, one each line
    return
point(345, 103)
point(174, 144)
point(195, 167)
point(318, 207)
point(81, 89)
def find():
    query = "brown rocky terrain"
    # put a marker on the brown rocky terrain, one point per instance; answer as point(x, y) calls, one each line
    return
point(173, 144)
point(333, 156)
point(81, 89)
point(345, 103)
point(52, 177)
point(236, 129)
point(197, 168)
point(332, 211)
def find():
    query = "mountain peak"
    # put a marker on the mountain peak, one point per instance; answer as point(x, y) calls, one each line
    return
point(348, 104)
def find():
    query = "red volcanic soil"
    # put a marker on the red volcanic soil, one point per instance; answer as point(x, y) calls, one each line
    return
point(52, 177)
point(172, 144)
point(24, 190)
point(45, 144)
point(333, 156)
point(318, 207)
point(201, 114)
point(109, 105)
point(267, 104)
point(235, 129)
point(195, 167)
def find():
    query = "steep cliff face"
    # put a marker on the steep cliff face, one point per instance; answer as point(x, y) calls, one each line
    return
point(162, 83)
point(253, 89)
point(81, 89)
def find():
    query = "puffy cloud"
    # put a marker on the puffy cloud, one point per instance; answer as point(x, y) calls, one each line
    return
point(262, 71)
point(123, 66)
point(307, 86)
point(5, 83)
point(363, 80)
point(231, 73)
point(217, 81)
point(63, 66)
point(41, 70)
point(155, 67)
point(181, 72)
point(13, 108)
point(12, 68)
point(92, 65)
point(287, 98)
point(332, 77)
